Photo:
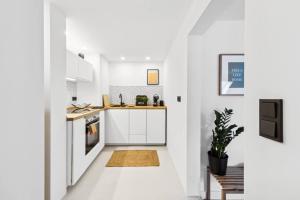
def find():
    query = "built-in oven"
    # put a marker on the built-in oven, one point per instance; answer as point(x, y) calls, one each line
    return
point(92, 133)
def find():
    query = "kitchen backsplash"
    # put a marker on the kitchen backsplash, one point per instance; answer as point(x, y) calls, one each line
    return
point(130, 92)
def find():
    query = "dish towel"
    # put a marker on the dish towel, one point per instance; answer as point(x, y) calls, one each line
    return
point(93, 129)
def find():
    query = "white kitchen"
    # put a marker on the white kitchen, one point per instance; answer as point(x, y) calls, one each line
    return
point(106, 108)
point(118, 119)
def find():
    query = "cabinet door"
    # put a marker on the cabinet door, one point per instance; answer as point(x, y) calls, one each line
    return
point(72, 66)
point(138, 122)
point(78, 149)
point(102, 129)
point(117, 126)
point(85, 71)
point(137, 139)
point(156, 128)
point(138, 126)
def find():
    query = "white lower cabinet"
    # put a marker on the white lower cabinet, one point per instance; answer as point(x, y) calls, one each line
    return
point(117, 126)
point(136, 126)
point(78, 150)
point(78, 160)
point(156, 126)
point(137, 139)
point(102, 130)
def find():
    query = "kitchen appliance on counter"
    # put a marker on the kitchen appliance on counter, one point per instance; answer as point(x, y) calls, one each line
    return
point(155, 100)
point(141, 100)
point(161, 103)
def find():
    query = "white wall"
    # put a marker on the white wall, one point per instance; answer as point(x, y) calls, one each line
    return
point(272, 71)
point(194, 89)
point(55, 108)
point(220, 37)
point(175, 81)
point(132, 74)
point(175, 85)
point(71, 91)
point(192, 66)
point(21, 86)
point(104, 75)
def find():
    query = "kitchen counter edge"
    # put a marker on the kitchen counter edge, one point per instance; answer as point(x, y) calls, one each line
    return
point(76, 116)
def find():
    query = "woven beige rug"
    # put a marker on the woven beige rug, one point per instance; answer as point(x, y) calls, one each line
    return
point(133, 158)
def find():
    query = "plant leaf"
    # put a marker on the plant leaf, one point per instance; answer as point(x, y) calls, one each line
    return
point(223, 133)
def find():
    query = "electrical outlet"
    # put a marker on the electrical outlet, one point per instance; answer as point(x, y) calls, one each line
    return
point(178, 98)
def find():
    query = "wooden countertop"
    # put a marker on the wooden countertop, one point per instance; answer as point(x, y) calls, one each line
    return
point(75, 116)
point(136, 107)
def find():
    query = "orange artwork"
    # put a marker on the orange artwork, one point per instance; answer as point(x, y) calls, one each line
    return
point(153, 77)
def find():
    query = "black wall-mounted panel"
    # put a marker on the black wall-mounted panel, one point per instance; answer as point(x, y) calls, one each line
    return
point(271, 119)
point(268, 128)
point(178, 98)
point(268, 109)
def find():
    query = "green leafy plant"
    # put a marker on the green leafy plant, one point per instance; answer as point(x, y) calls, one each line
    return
point(223, 133)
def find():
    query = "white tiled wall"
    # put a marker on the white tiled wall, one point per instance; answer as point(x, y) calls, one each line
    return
point(129, 93)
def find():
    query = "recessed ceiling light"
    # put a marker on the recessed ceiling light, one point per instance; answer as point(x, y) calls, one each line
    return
point(148, 58)
point(122, 58)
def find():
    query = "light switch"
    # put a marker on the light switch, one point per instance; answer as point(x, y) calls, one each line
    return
point(271, 119)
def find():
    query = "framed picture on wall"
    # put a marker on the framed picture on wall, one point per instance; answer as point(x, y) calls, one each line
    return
point(152, 76)
point(231, 75)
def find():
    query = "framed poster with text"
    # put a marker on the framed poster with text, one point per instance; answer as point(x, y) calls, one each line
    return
point(231, 75)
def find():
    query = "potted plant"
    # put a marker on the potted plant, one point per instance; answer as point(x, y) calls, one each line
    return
point(223, 134)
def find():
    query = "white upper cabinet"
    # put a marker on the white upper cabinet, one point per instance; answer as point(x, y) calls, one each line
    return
point(78, 69)
point(72, 66)
point(85, 71)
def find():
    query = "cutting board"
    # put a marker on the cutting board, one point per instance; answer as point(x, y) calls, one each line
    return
point(106, 101)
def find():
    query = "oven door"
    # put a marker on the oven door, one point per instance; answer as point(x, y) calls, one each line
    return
point(92, 135)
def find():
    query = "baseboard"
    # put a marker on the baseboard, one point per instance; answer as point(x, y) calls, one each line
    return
point(193, 198)
point(216, 195)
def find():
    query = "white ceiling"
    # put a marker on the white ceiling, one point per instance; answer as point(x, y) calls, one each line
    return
point(134, 29)
point(220, 10)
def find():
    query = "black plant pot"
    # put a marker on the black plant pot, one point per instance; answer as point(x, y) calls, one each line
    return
point(217, 165)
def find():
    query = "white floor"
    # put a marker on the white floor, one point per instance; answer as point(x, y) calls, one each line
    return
point(128, 183)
